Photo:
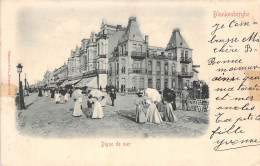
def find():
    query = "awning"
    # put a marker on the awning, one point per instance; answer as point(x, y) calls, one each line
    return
point(89, 82)
point(52, 86)
point(72, 82)
point(64, 83)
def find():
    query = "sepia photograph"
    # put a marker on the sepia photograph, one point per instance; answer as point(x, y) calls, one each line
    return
point(106, 74)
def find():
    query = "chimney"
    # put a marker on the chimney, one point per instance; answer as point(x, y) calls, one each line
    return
point(132, 19)
point(175, 30)
point(146, 39)
point(118, 27)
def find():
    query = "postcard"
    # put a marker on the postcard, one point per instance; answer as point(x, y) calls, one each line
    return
point(130, 83)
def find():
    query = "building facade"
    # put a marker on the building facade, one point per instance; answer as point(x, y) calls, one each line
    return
point(121, 57)
point(135, 65)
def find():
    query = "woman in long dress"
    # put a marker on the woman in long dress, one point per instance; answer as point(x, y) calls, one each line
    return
point(168, 114)
point(46, 93)
point(77, 107)
point(62, 93)
point(140, 115)
point(97, 109)
point(57, 97)
point(152, 114)
point(66, 97)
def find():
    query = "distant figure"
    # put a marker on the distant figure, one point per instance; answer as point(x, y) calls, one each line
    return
point(40, 93)
point(71, 91)
point(66, 97)
point(46, 93)
point(52, 93)
point(97, 112)
point(184, 99)
point(62, 94)
point(139, 102)
point(57, 97)
point(173, 99)
point(113, 96)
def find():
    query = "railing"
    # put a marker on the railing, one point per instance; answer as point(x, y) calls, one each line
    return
point(174, 73)
point(124, 53)
point(185, 74)
point(185, 60)
point(150, 72)
point(138, 55)
point(155, 56)
point(137, 70)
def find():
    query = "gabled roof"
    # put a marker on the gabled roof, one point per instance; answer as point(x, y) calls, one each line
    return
point(177, 40)
point(132, 31)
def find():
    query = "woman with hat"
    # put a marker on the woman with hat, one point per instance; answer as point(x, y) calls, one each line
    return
point(78, 103)
point(140, 115)
point(97, 112)
point(168, 114)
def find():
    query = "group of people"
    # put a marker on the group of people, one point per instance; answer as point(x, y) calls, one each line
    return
point(147, 110)
point(94, 104)
point(151, 114)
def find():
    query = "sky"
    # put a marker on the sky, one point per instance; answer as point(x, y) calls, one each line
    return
point(46, 33)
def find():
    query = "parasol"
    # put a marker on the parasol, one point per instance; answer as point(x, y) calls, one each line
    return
point(153, 94)
point(96, 93)
point(76, 94)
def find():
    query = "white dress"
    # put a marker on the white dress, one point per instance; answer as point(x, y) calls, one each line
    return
point(77, 107)
point(97, 110)
point(57, 97)
point(66, 97)
point(46, 93)
point(153, 115)
point(104, 100)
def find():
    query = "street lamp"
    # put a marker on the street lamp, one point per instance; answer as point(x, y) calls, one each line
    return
point(19, 70)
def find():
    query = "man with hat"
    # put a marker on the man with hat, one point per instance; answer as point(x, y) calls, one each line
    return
point(113, 96)
point(184, 98)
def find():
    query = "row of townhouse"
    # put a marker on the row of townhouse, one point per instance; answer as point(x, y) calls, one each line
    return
point(121, 57)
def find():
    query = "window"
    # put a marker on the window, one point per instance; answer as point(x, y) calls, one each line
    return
point(117, 68)
point(150, 83)
point(158, 84)
point(134, 47)
point(184, 68)
point(158, 68)
point(150, 67)
point(186, 54)
point(173, 83)
point(173, 67)
point(166, 68)
point(139, 48)
point(102, 48)
point(141, 83)
point(182, 54)
point(166, 83)
point(133, 83)
point(123, 66)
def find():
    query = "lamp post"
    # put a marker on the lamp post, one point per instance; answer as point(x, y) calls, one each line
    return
point(19, 70)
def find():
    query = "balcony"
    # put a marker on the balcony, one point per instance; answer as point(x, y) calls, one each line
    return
point(185, 74)
point(124, 53)
point(137, 70)
point(174, 73)
point(172, 58)
point(138, 55)
point(185, 60)
point(150, 72)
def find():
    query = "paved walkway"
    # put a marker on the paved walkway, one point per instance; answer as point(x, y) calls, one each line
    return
point(45, 118)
